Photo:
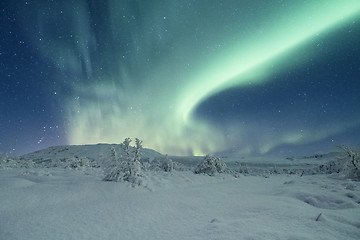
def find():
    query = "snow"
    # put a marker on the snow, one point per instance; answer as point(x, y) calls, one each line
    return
point(56, 203)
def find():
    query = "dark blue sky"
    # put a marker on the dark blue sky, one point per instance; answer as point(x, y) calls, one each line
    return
point(186, 77)
point(30, 112)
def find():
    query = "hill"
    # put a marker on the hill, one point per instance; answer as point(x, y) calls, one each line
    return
point(92, 152)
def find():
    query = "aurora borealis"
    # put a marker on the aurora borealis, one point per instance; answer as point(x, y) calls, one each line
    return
point(186, 77)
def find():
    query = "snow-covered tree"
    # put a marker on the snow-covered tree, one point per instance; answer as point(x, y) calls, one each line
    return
point(112, 168)
point(138, 150)
point(167, 164)
point(125, 167)
point(125, 145)
point(211, 165)
point(351, 162)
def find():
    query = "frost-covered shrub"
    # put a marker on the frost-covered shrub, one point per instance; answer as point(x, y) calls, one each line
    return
point(332, 166)
point(25, 163)
point(167, 164)
point(348, 164)
point(145, 165)
point(125, 167)
point(7, 162)
point(74, 163)
point(243, 169)
point(13, 162)
point(78, 163)
point(180, 167)
point(211, 165)
point(162, 164)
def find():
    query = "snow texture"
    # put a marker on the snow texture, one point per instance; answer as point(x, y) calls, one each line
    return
point(41, 202)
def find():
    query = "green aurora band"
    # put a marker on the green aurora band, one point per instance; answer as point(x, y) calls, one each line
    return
point(157, 103)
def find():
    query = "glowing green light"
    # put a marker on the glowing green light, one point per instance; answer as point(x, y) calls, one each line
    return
point(244, 64)
point(158, 106)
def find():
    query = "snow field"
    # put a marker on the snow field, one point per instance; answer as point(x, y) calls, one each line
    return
point(178, 205)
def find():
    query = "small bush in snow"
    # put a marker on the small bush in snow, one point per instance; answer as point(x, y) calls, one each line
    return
point(162, 164)
point(7, 162)
point(125, 167)
point(77, 163)
point(332, 166)
point(211, 165)
point(12, 162)
point(243, 169)
point(167, 164)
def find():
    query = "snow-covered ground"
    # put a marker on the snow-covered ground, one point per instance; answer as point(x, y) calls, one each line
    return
point(56, 203)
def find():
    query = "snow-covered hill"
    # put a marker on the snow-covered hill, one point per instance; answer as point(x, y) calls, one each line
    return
point(99, 153)
point(96, 152)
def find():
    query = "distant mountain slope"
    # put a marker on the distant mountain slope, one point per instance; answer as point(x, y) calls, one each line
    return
point(92, 152)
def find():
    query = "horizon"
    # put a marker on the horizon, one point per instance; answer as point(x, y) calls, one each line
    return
point(224, 155)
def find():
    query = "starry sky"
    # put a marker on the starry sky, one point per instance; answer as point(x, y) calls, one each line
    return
point(187, 77)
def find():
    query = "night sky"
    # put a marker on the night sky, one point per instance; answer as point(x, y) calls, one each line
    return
point(186, 77)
